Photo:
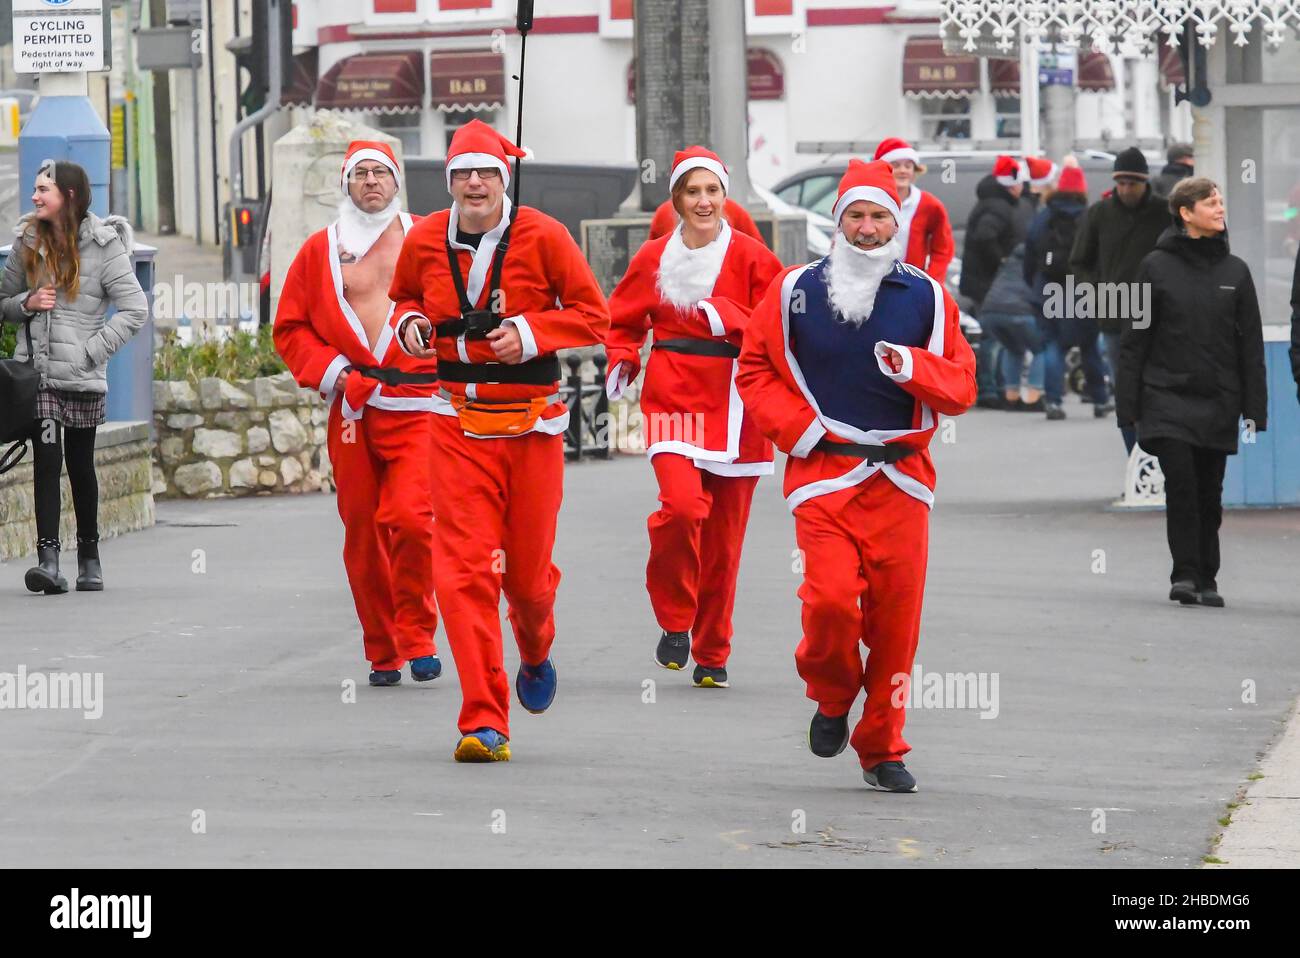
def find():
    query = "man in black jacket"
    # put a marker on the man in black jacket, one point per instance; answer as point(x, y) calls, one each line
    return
point(997, 225)
point(1191, 370)
point(1116, 233)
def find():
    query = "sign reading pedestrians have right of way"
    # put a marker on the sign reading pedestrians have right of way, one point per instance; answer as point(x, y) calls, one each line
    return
point(61, 36)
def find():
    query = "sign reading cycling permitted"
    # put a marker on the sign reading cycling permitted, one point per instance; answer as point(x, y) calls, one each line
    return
point(61, 36)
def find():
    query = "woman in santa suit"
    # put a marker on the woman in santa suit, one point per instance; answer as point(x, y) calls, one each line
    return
point(924, 232)
point(695, 287)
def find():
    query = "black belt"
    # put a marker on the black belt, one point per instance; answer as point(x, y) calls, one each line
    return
point(887, 454)
point(535, 372)
point(395, 377)
point(698, 347)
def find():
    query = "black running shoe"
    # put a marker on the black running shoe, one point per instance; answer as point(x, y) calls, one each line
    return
point(1184, 591)
point(1211, 598)
point(707, 678)
point(674, 650)
point(382, 678)
point(889, 777)
point(827, 736)
point(1103, 410)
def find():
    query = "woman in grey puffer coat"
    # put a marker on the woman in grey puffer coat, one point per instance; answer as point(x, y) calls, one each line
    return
point(67, 268)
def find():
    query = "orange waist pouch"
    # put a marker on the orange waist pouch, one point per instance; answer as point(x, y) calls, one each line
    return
point(511, 418)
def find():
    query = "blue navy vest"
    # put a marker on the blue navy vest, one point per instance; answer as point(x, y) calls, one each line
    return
point(838, 359)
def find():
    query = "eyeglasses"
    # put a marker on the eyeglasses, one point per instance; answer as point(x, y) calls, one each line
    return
point(484, 173)
point(380, 173)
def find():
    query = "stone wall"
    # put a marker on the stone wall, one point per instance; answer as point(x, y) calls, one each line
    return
point(248, 437)
point(122, 454)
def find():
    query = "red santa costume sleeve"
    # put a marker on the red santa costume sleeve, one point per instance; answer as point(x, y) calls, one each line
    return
point(766, 385)
point(629, 314)
point(939, 239)
point(309, 357)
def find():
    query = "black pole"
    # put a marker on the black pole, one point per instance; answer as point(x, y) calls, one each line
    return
point(523, 23)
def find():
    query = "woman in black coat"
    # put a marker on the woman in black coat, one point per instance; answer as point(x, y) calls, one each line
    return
point(1191, 369)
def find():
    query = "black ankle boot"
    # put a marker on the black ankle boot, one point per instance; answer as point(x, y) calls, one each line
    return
point(90, 577)
point(45, 577)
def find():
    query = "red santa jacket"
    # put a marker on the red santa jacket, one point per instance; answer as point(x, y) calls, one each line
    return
point(689, 403)
point(665, 220)
point(798, 405)
point(318, 334)
point(547, 292)
point(929, 235)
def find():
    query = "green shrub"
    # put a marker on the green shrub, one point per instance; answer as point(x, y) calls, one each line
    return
point(241, 355)
point(8, 340)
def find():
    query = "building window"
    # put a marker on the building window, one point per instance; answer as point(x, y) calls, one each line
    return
point(1007, 109)
point(404, 126)
point(454, 121)
point(946, 118)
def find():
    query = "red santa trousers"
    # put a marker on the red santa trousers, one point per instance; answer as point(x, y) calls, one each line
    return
point(495, 508)
point(864, 578)
point(381, 468)
point(695, 543)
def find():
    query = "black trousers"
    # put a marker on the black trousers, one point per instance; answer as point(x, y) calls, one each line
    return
point(1193, 507)
point(51, 445)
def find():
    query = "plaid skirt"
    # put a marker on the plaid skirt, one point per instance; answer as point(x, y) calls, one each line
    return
point(72, 409)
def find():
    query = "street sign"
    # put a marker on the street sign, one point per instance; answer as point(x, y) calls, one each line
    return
point(62, 36)
point(168, 48)
point(1055, 76)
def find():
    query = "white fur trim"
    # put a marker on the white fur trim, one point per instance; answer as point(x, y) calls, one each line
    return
point(902, 376)
point(1008, 180)
point(525, 336)
point(487, 247)
point(686, 276)
point(715, 321)
point(331, 377)
point(902, 153)
point(699, 163)
point(471, 161)
point(872, 193)
point(734, 469)
point(616, 381)
point(402, 327)
point(811, 436)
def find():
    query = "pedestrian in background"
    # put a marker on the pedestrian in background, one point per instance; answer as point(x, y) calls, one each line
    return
point(996, 225)
point(1009, 315)
point(924, 233)
point(1047, 261)
point(1179, 167)
point(68, 267)
point(1117, 232)
point(1189, 372)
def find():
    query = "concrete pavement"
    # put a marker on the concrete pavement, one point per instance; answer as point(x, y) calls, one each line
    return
point(227, 635)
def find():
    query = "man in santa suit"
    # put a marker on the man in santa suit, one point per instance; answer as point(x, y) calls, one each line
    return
point(665, 219)
point(502, 290)
point(695, 287)
point(924, 233)
point(333, 328)
point(847, 364)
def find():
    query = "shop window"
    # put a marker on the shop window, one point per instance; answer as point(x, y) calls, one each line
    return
point(946, 118)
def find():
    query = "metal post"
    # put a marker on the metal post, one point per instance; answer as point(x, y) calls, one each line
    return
point(247, 123)
point(729, 97)
point(1028, 97)
point(198, 138)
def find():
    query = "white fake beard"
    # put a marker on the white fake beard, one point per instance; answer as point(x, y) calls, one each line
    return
point(686, 276)
point(358, 229)
point(853, 277)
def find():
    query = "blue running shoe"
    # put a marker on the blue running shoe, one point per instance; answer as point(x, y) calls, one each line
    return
point(382, 678)
point(535, 686)
point(425, 667)
point(483, 745)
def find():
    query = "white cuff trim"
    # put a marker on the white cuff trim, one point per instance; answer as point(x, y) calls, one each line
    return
point(402, 320)
point(331, 378)
point(903, 376)
point(811, 436)
point(616, 381)
point(525, 336)
point(715, 320)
